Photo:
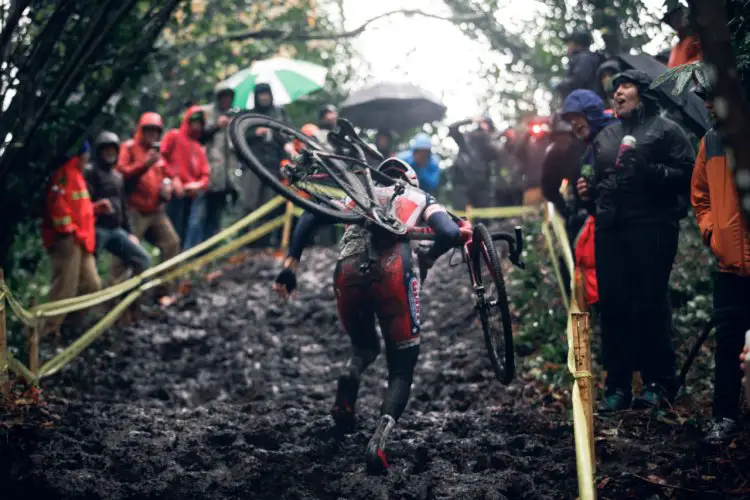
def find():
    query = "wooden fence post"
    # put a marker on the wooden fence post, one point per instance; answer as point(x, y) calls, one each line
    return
point(286, 233)
point(4, 385)
point(32, 343)
point(582, 353)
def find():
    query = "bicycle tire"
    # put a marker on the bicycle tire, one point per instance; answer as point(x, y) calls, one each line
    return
point(245, 120)
point(497, 337)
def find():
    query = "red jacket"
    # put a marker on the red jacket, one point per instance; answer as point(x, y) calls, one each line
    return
point(586, 261)
point(686, 51)
point(184, 154)
point(145, 182)
point(69, 209)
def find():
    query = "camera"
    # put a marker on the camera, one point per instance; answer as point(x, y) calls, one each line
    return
point(156, 146)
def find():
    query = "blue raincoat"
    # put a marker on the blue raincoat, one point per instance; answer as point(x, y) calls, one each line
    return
point(429, 175)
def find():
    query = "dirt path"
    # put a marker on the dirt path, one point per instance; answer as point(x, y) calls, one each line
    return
point(226, 396)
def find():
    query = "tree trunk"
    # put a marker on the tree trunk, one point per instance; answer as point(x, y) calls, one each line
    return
point(731, 102)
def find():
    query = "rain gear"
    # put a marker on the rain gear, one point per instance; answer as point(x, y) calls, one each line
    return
point(586, 261)
point(219, 148)
point(184, 154)
point(142, 183)
point(69, 210)
point(687, 50)
point(717, 207)
point(581, 72)
point(429, 174)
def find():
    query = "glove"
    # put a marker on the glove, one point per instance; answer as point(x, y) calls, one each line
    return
point(424, 261)
point(466, 230)
point(288, 279)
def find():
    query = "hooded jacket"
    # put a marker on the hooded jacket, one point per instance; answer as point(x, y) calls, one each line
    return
point(656, 190)
point(687, 50)
point(219, 148)
point(142, 183)
point(270, 151)
point(581, 72)
point(183, 153)
point(104, 182)
point(717, 207)
point(429, 174)
point(69, 210)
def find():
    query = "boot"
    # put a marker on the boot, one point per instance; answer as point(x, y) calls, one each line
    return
point(343, 411)
point(615, 400)
point(720, 431)
point(652, 396)
point(375, 457)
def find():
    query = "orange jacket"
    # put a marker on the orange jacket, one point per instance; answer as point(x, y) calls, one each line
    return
point(144, 182)
point(69, 209)
point(717, 207)
point(184, 154)
point(586, 260)
point(686, 51)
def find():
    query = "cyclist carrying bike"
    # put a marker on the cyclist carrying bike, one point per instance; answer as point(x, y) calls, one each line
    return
point(376, 276)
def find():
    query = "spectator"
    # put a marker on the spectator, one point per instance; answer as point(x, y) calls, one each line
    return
point(221, 158)
point(688, 47)
point(717, 208)
point(478, 157)
point(69, 237)
point(637, 200)
point(384, 142)
point(423, 161)
point(582, 65)
point(606, 72)
point(562, 161)
point(327, 118)
point(106, 186)
point(270, 149)
point(188, 167)
point(148, 187)
point(530, 150)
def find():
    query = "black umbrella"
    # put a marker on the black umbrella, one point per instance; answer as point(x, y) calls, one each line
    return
point(392, 106)
point(689, 105)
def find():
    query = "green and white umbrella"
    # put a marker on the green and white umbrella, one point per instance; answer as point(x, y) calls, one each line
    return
point(289, 79)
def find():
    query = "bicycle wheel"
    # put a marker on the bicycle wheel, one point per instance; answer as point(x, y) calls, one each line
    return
point(492, 304)
point(321, 199)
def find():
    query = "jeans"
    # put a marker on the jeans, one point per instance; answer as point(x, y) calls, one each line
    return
point(117, 242)
point(215, 204)
point(633, 264)
point(732, 319)
point(187, 216)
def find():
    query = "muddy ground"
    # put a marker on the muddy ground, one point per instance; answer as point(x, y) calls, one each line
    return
point(226, 394)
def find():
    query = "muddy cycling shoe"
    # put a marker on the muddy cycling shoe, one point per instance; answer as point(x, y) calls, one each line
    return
point(375, 457)
point(720, 431)
point(615, 400)
point(343, 412)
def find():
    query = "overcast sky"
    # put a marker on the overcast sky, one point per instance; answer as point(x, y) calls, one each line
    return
point(431, 53)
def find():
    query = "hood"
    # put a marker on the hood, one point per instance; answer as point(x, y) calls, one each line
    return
point(105, 138)
point(262, 87)
point(589, 104)
point(611, 66)
point(185, 126)
point(149, 119)
point(222, 88)
point(421, 141)
point(648, 96)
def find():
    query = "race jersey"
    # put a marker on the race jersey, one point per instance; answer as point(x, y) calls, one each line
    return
point(412, 208)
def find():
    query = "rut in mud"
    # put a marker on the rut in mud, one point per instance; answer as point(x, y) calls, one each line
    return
point(226, 396)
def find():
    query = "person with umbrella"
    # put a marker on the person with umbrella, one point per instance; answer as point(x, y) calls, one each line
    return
point(642, 167)
point(423, 161)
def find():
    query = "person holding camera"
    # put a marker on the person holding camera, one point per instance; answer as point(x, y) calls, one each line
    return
point(148, 187)
point(224, 164)
point(107, 190)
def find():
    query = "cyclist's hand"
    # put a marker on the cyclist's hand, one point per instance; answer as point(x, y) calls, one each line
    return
point(286, 283)
point(466, 230)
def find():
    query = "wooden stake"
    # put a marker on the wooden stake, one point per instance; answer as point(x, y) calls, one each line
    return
point(32, 343)
point(4, 385)
point(582, 353)
point(287, 231)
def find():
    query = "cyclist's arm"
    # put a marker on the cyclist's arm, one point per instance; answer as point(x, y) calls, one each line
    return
point(447, 232)
point(303, 233)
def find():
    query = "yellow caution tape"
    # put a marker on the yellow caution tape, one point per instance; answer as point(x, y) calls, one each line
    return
point(555, 264)
point(19, 368)
point(497, 212)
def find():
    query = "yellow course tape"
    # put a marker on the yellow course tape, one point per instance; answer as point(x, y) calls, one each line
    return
point(497, 212)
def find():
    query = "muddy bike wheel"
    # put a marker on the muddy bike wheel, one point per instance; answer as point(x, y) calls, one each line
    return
point(492, 305)
point(317, 198)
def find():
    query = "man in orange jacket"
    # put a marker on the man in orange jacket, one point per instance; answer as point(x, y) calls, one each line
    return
point(148, 187)
point(688, 47)
point(717, 208)
point(187, 164)
point(68, 235)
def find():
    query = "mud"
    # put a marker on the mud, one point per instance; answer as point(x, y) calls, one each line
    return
point(226, 394)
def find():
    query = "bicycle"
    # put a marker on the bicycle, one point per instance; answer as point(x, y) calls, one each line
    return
point(310, 182)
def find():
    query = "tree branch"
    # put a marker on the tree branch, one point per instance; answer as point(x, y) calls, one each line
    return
point(306, 35)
